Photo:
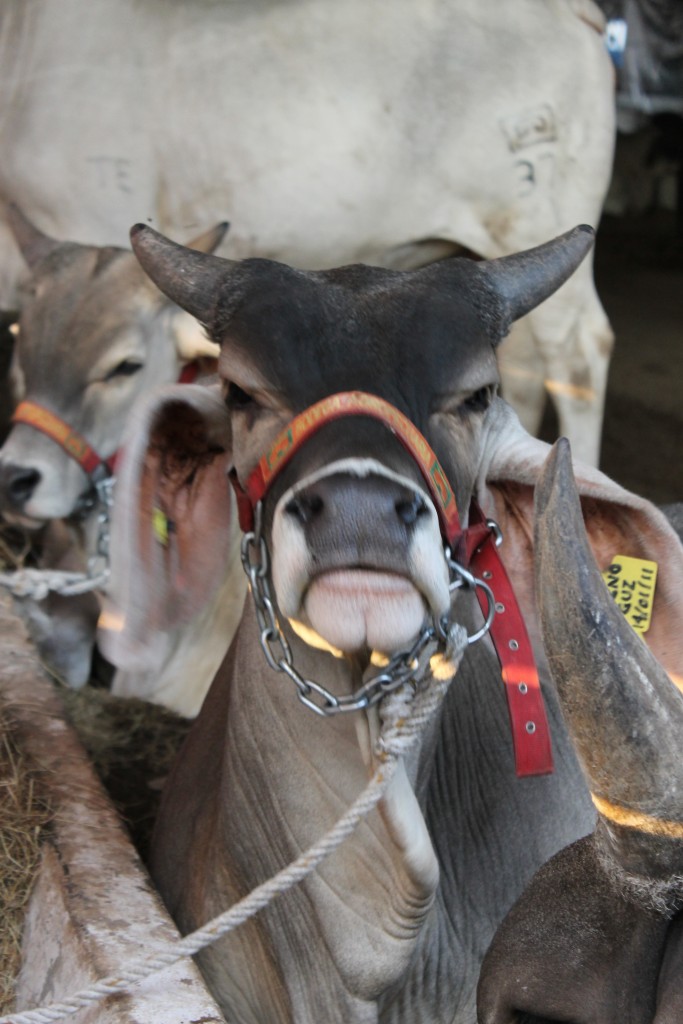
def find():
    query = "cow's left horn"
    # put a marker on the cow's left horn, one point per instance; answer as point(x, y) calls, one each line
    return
point(189, 278)
point(523, 280)
point(624, 713)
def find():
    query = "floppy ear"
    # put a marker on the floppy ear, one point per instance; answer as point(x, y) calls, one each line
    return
point(617, 523)
point(174, 525)
point(588, 937)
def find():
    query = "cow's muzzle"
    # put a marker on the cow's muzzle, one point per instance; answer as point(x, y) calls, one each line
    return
point(358, 556)
point(405, 667)
point(362, 554)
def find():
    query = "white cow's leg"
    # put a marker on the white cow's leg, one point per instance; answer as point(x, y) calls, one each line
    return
point(523, 375)
point(576, 340)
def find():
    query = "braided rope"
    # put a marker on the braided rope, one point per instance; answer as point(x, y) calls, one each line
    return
point(37, 583)
point(403, 715)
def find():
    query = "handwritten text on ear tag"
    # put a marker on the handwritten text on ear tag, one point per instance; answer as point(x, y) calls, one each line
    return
point(631, 582)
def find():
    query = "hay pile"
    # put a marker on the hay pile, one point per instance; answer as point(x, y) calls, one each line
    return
point(131, 745)
point(24, 815)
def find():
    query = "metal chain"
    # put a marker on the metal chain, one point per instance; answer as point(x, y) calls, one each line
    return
point(36, 584)
point(404, 667)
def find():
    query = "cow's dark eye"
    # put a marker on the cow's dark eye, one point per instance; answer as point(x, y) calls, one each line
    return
point(479, 400)
point(126, 368)
point(237, 398)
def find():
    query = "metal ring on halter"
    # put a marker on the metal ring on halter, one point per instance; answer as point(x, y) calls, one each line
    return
point(496, 531)
point(467, 579)
point(490, 612)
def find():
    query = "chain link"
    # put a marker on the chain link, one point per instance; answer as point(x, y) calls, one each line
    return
point(36, 584)
point(404, 667)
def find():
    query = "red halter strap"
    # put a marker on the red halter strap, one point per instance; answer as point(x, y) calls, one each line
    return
point(475, 547)
point(351, 403)
point(73, 443)
point(528, 721)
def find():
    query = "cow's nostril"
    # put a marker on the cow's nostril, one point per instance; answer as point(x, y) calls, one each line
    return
point(19, 484)
point(410, 511)
point(305, 507)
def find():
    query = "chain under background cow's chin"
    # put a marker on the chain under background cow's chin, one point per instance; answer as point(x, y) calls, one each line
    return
point(405, 667)
point(37, 584)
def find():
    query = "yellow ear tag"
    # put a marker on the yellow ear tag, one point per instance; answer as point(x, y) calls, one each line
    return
point(631, 582)
point(160, 526)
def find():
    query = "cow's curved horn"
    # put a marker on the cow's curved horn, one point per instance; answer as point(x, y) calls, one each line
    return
point(624, 713)
point(33, 243)
point(188, 277)
point(523, 280)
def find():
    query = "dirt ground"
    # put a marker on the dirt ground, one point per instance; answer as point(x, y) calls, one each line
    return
point(639, 275)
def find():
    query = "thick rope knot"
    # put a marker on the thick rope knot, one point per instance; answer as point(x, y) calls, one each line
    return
point(403, 716)
point(405, 712)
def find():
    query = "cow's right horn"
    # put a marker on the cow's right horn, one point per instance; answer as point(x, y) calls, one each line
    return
point(522, 280)
point(189, 278)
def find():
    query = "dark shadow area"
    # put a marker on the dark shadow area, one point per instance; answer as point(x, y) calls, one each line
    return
point(639, 277)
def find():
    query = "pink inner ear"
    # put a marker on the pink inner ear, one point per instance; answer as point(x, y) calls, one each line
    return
point(189, 565)
point(613, 528)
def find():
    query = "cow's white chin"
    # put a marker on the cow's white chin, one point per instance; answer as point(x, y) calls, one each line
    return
point(353, 609)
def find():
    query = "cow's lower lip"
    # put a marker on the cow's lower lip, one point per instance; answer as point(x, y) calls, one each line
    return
point(353, 609)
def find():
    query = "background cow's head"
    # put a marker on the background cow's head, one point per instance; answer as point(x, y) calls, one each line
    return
point(94, 334)
point(357, 552)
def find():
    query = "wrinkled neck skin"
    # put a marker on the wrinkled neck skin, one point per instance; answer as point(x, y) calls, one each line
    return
point(386, 929)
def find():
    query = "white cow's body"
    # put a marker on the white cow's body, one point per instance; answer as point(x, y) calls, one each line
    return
point(329, 133)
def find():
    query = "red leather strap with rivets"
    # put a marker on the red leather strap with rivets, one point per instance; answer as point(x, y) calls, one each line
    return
point(528, 720)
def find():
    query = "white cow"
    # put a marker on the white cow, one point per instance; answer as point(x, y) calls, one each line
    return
point(330, 131)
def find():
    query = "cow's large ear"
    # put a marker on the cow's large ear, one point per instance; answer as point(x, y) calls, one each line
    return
point(33, 244)
point(604, 902)
point(617, 523)
point(174, 529)
point(616, 697)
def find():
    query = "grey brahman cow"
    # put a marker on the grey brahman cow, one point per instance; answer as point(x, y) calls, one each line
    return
point(362, 411)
